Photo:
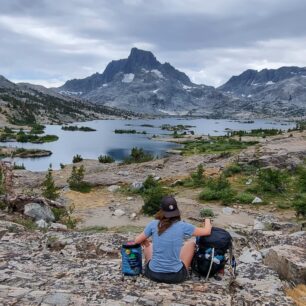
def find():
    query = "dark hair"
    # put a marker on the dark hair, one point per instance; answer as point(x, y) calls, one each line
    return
point(164, 222)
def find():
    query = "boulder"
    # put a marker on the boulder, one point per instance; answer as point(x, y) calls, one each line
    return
point(257, 200)
point(123, 173)
point(58, 227)
point(3, 231)
point(250, 256)
point(41, 223)
point(113, 188)
point(258, 286)
point(137, 185)
point(11, 226)
point(289, 227)
point(119, 213)
point(228, 211)
point(288, 261)
point(38, 212)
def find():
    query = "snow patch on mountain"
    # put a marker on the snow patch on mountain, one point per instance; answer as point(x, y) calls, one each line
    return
point(158, 73)
point(128, 77)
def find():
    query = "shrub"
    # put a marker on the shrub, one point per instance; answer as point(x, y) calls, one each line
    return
point(232, 169)
point(245, 198)
point(18, 167)
point(206, 213)
point(75, 180)
point(219, 183)
point(150, 182)
point(138, 155)
point(197, 177)
point(218, 189)
point(272, 180)
point(62, 166)
point(77, 158)
point(105, 159)
point(299, 205)
point(64, 215)
point(152, 199)
point(302, 179)
point(225, 195)
point(49, 189)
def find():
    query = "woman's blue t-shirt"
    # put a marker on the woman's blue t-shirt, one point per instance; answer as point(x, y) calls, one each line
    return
point(167, 246)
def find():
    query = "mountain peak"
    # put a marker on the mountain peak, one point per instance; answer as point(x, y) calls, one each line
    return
point(141, 59)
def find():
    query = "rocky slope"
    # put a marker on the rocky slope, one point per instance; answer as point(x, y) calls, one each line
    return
point(141, 83)
point(272, 92)
point(26, 103)
point(74, 268)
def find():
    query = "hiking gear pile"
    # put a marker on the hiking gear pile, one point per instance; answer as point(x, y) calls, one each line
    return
point(209, 257)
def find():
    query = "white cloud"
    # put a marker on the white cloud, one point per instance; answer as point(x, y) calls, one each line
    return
point(209, 40)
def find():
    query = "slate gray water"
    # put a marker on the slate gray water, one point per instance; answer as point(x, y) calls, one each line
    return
point(104, 141)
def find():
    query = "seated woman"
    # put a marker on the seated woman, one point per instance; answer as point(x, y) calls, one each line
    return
point(169, 258)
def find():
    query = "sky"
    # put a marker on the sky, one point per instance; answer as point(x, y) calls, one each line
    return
point(50, 41)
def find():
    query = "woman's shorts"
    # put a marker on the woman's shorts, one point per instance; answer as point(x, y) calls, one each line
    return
point(169, 278)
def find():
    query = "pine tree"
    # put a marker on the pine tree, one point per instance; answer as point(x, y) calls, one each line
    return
point(75, 180)
point(49, 189)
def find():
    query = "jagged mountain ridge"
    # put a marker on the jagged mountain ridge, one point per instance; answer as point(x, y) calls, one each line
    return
point(25, 103)
point(271, 92)
point(141, 83)
point(252, 81)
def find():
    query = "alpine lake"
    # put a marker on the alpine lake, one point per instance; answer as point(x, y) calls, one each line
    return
point(104, 140)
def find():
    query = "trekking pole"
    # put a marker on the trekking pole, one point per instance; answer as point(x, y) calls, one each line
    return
point(211, 263)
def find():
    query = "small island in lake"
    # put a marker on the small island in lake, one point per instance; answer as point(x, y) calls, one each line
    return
point(77, 128)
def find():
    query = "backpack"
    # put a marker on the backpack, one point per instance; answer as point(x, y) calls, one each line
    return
point(209, 257)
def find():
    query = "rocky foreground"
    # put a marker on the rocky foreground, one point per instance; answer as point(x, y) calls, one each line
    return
point(77, 268)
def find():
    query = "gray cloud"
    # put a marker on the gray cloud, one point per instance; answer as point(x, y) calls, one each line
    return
point(50, 41)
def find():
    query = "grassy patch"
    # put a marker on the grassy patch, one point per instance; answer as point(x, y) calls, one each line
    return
point(94, 229)
point(215, 145)
point(206, 213)
point(244, 198)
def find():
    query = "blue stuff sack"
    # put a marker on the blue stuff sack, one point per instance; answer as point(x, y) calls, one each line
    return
point(131, 259)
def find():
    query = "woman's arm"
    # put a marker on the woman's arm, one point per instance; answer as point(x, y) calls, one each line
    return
point(205, 230)
point(140, 238)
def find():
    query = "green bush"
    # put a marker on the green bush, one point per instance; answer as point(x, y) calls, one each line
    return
point(77, 158)
point(76, 182)
point(232, 169)
point(198, 176)
point(299, 205)
point(206, 213)
point(225, 195)
point(152, 199)
point(272, 180)
point(244, 198)
point(150, 182)
point(49, 190)
point(105, 159)
point(218, 189)
point(138, 155)
point(18, 167)
point(301, 178)
point(219, 183)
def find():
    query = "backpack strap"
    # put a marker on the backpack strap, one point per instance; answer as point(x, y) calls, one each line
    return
point(233, 264)
point(211, 263)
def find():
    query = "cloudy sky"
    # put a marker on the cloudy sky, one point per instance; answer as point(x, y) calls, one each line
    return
point(49, 41)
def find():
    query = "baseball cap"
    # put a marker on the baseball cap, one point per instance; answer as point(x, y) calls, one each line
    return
point(169, 206)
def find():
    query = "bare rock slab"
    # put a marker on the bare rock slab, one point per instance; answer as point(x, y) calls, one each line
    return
point(288, 261)
point(39, 212)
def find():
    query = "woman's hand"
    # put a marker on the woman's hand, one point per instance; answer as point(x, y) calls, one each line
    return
point(146, 243)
